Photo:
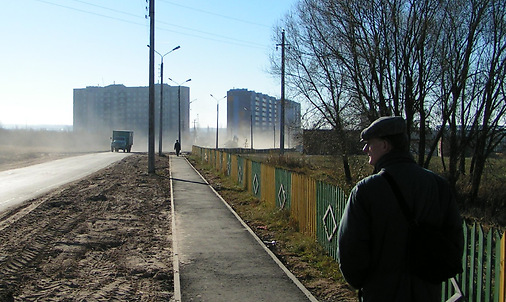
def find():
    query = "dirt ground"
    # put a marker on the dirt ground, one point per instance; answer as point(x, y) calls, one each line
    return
point(104, 238)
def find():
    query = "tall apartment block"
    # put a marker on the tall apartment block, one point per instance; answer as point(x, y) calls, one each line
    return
point(103, 109)
point(250, 112)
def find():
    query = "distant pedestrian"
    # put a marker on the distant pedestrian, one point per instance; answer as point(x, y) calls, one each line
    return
point(373, 233)
point(177, 147)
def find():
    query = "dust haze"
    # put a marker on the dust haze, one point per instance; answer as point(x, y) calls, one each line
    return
point(28, 145)
point(23, 147)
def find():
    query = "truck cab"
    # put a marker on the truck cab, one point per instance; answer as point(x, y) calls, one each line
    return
point(122, 140)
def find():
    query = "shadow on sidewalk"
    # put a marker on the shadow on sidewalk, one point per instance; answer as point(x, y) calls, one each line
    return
point(191, 181)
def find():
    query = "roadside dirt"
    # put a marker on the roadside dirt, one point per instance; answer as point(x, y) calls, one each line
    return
point(104, 238)
point(13, 159)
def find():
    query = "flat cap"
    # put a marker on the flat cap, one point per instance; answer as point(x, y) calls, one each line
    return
point(384, 126)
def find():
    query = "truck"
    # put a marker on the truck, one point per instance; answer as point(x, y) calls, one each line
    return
point(122, 140)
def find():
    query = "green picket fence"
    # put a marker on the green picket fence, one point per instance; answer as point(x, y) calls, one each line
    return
point(483, 278)
point(330, 204)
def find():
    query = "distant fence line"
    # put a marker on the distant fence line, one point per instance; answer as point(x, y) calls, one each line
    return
point(317, 208)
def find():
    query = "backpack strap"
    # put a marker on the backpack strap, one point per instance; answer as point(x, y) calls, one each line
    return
point(400, 199)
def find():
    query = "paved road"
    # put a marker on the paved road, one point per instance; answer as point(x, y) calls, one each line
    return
point(220, 259)
point(22, 184)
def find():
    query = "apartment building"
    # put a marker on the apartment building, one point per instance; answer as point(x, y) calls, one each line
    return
point(256, 115)
point(102, 109)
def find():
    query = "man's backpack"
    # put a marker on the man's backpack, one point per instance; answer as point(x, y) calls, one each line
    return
point(432, 254)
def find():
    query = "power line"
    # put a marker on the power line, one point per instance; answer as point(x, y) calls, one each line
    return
point(221, 38)
point(90, 12)
point(107, 8)
point(233, 40)
point(216, 14)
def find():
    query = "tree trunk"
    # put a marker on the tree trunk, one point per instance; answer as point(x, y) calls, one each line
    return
point(346, 166)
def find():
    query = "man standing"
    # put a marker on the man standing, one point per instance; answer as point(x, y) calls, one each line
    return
point(177, 147)
point(373, 233)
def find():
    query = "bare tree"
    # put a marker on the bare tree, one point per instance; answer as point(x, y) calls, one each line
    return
point(313, 76)
point(490, 75)
point(440, 64)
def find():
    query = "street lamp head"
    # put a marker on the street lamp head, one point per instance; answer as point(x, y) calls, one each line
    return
point(217, 98)
point(176, 48)
point(179, 84)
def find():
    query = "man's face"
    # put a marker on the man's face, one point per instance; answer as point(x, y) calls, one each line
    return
point(376, 148)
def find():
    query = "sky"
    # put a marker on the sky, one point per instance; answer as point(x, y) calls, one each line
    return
point(50, 47)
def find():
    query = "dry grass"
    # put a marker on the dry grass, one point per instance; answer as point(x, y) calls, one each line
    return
point(490, 209)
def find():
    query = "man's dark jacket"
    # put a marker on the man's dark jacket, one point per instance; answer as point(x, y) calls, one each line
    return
point(373, 232)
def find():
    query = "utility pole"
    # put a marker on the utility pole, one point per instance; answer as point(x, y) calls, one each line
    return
point(282, 121)
point(217, 117)
point(151, 135)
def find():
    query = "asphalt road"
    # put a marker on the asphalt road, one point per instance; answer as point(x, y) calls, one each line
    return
point(22, 184)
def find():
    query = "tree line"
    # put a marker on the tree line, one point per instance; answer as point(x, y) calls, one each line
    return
point(438, 63)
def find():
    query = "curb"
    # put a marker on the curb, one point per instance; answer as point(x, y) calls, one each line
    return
point(175, 255)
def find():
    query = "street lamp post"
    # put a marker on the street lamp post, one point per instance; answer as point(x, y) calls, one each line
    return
point(217, 115)
point(161, 98)
point(274, 127)
point(250, 125)
point(179, 106)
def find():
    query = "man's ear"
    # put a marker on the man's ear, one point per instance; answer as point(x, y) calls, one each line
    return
point(387, 145)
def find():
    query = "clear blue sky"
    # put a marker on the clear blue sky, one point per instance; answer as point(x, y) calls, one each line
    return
point(50, 47)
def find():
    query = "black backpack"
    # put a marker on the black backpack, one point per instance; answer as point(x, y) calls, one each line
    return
point(432, 254)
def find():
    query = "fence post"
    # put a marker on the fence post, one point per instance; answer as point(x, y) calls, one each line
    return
point(479, 265)
point(488, 265)
point(471, 264)
point(464, 276)
point(502, 285)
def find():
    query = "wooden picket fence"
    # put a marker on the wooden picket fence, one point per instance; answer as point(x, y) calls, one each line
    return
point(317, 208)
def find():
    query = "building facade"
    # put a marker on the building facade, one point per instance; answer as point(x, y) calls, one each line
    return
point(103, 109)
point(256, 116)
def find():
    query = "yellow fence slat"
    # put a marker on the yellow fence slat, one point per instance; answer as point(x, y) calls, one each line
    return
point(268, 180)
point(247, 176)
point(303, 203)
point(233, 167)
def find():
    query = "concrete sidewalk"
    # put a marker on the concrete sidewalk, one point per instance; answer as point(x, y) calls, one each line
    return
point(217, 256)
